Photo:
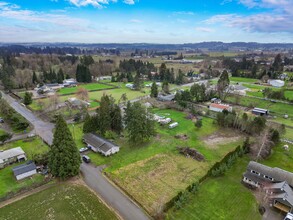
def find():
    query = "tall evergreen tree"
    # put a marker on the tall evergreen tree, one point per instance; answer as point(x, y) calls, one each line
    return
point(139, 124)
point(89, 124)
point(154, 90)
point(60, 76)
point(116, 119)
point(35, 78)
point(137, 83)
point(27, 100)
point(165, 87)
point(104, 113)
point(223, 84)
point(64, 158)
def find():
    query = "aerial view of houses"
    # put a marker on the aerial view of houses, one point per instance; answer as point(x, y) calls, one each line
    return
point(146, 109)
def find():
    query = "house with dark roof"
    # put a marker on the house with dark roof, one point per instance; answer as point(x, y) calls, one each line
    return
point(280, 196)
point(260, 111)
point(99, 144)
point(276, 182)
point(25, 170)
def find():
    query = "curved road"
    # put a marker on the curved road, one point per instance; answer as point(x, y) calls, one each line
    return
point(93, 177)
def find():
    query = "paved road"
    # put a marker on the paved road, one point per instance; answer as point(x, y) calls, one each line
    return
point(92, 176)
point(111, 195)
point(43, 129)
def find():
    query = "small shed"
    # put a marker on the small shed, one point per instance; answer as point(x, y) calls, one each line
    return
point(260, 111)
point(25, 170)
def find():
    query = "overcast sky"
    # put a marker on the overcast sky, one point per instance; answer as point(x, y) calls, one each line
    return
point(146, 21)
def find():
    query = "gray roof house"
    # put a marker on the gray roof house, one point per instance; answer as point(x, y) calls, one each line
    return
point(277, 183)
point(166, 98)
point(25, 170)
point(281, 196)
point(11, 156)
point(99, 144)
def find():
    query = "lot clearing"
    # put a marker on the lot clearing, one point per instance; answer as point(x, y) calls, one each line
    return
point(64, 201)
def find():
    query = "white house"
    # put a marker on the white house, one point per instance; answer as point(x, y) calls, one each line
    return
point(220, 107)
point(11, 156)
point(25, 170)
point(99, 144)
point(277, 83)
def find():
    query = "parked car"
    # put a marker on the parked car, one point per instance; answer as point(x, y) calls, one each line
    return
point(1, 120)
point(86, 158)
point(83, 149)
point(289, 216)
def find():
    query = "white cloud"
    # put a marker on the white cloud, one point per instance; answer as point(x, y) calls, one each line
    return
point(183, 13)
point(136, 21)
point(204, 29)
point(98, 3)
point(129, 2)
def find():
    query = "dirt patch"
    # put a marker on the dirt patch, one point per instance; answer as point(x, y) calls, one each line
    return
point(181, 136)
point(219, 138)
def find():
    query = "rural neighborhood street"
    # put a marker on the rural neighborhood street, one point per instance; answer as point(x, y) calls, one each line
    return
point(92, 176)
point(43, 129)
point(126, 208)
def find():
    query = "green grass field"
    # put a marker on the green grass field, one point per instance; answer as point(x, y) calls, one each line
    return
point(242, 79)
point(145, 170)
point(89, 87)
point(7, 181)
point(65, 201)
point(221, 198)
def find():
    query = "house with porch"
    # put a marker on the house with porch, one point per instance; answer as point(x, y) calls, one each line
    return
point(277, 184)
point(99, 144)
point(11, 156)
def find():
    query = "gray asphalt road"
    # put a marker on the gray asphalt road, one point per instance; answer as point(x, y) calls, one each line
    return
point(92, 176)
point(43, 129)
point(111, 195)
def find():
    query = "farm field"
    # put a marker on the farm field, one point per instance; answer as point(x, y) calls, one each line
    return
point(7, 180)
point(221, 198)
point(65, 201)
point(146, 171)
point(89, 87)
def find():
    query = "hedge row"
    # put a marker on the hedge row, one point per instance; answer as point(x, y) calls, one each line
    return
point(192, 188)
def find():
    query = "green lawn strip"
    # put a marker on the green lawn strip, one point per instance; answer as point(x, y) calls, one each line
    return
point(30, 146)
point(221, 198)
point(274, 108)
point(9, 184)
point(59, 202)
point(2, 132)
point(280, 157)
point(89, 87)
point(242, 79)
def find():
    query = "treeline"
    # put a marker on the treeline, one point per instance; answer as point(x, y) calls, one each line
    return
point(108, 120)
point(252, 69)
point(132, 65)
point(196, 93)
point(17, 122)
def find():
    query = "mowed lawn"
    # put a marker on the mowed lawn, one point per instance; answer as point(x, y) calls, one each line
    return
point(154, 172)
point(8, 182)
point(221, 198)
point(89, 87)
point(65, 201)
point(242, 79)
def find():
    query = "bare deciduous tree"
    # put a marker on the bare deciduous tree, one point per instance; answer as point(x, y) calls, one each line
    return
point(82, 94)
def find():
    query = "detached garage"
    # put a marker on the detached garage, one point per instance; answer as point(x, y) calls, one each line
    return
point(25, 170)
